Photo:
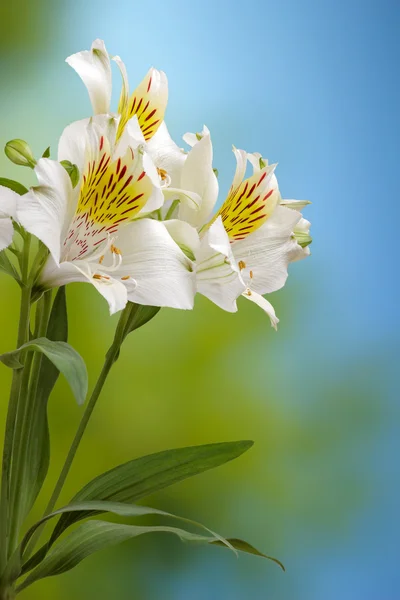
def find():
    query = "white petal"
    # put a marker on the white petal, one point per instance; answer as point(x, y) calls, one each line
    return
point(124, 97)
point(192, 199)
point(166, 154)
point(73, 140)
point(113, 290)
point(198, 176)
point(8, 208)
point(44, 211)
point(132, 137)
point(218, 276)
point(192, 138)
point(264, 304)
point(184, 235)
point(156, 199)
point(267, 252)
point(164, 275)
point(94, 68)
point(8, 202)
point(241, 165)
point(6, 232)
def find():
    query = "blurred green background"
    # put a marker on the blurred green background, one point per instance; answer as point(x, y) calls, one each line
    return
point(314, 87)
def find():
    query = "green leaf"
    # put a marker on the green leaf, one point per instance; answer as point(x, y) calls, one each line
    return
point(63, 357)
point(46, 153)
point(7, 267)
point(92, 537)
point(139, 316)
point(38, 454)
point(248, 549)
point(97, 507)
point(146, 475)
point(13, 185)
point(72, 171)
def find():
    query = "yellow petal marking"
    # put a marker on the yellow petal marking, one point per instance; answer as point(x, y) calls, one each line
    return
point(112, 192)
point(148, 102)
point(249, 205)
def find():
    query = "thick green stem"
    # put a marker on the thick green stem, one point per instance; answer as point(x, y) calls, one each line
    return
point(23, 335)
point(111, 357)
point(24, 423)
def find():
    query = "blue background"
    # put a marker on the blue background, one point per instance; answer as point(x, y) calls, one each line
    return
point(314, 86)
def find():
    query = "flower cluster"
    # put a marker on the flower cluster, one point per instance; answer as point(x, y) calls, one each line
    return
point(127, 210)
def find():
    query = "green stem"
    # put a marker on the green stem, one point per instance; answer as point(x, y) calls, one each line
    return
point(23, 335)
point(28, 391)
point(111, 357)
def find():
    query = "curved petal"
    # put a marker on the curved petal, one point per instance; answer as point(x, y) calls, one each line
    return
point(124, 97)
point(73, 140)
point(217, 274)
point(148, 102)
point(264, 304)
point(8, 208)
point(198, 176)
point(8, 202)
point(265, 254)
point(113, 290)
point(6, 232)
point(184, 235)
point(192, 138)
point(94, 68)
point(248, 206)
point(166, 154)
point(164, 275)
point(44, 210)
point(241, 166)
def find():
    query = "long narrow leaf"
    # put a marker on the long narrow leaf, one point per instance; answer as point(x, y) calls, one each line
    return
point(92, 537)
point(146, 475)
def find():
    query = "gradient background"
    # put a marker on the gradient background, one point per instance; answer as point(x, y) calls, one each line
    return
point(314, 86)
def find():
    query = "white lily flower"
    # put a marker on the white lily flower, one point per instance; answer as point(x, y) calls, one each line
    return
point(89, 229)
point(261, 235)
point(8, 208)
point(190, 176)
point(148, 102)
point(141, 115)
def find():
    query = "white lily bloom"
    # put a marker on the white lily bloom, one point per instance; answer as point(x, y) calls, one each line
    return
point(190, 176)
point(146, 107)
point(8, 208)
point(89, 229)
point(261, 235)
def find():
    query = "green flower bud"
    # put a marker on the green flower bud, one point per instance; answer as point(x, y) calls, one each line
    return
point(20, 153)
point(72, 171)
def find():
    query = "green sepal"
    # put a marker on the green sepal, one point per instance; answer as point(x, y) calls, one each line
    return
point(46, 153)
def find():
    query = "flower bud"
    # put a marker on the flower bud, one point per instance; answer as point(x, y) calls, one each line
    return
point(72, 171)
point(20, 153)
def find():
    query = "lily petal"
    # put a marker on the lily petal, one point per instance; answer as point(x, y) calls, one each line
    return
point(113, 290)
point(148, 102)
point(218, 276)
point(8, 209)
point(265, 254)
point(124, 97)
point(94, 68)
point(166, 154)
point(44, 210)
point(163, 274)
point(198, 176)
point(264, 304)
